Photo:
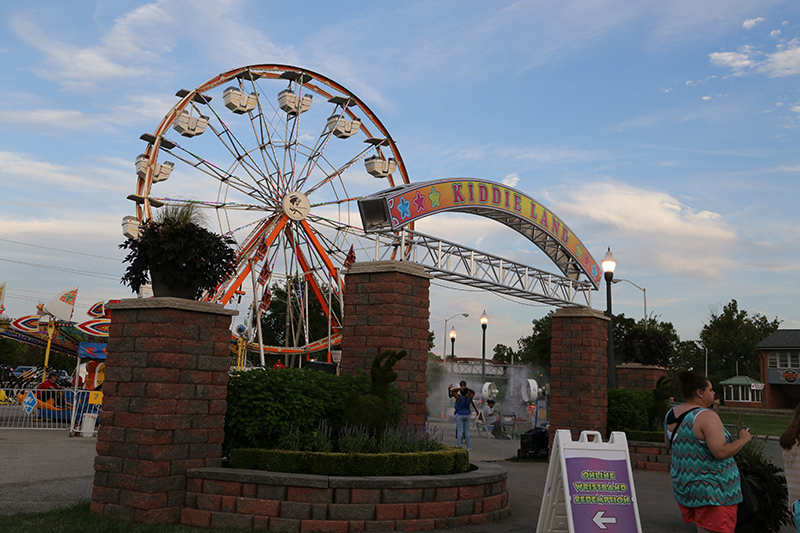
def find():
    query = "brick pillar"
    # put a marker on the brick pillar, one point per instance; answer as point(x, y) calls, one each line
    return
point(386, 308)
point(164, 403)
point(578, 371)
point(636, 376)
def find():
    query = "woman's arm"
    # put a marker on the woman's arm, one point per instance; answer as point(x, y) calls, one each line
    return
point(710, 429)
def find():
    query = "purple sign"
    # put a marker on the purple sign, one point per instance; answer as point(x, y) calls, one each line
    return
point(600, 495)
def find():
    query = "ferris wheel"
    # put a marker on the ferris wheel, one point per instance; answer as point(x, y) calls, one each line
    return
point(278, 156)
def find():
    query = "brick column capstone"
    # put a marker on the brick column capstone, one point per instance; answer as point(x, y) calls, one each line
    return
point(387, 308)
point(578, 371)
point(164, 403)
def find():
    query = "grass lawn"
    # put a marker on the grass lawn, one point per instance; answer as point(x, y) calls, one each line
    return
point(78, 519)
point(759, 424)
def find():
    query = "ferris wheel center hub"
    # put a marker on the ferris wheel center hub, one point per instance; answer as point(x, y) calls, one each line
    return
point(296, 205)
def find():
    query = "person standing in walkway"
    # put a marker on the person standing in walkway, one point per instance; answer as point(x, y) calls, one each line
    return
point(790, 446)
point(463, 396)
point(705, 478)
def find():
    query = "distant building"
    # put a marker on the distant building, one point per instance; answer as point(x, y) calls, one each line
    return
point(780, 368)
point(742, 391)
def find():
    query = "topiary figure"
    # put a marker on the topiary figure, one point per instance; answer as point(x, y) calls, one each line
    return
point(383, 406)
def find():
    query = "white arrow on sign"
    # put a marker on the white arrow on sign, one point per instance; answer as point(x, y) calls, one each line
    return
point(601, 521)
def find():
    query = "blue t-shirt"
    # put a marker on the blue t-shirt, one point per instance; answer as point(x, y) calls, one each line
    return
point(462, 405)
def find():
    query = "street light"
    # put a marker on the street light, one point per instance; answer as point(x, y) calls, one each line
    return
point(609, 264)
point(484, 323)
point(452, 349)
point(444, 346)
point(644, 293)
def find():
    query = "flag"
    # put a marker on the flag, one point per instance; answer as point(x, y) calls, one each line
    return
point(62, 305)
point(261, 251)
point(263, 276)
point(28, 324)
point(97, 310)
point(266, 298)
point(2, 297)
point(350, 259)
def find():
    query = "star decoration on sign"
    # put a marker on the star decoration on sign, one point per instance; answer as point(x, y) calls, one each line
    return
point(403, 207)
point(419, 201)
point(434, 196)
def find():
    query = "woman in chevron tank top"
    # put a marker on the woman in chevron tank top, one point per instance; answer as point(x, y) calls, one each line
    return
point(705, 479)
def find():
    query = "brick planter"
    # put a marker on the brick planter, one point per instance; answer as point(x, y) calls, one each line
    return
point(653, 456)
point(636, 376)
point(164, 405)
point(386, 308)
point(254, 499)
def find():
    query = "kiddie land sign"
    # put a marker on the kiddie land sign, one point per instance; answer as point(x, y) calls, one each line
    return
point(483, 197)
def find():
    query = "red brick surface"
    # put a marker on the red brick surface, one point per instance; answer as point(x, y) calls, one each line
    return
point(389, 310)
point(164, 370)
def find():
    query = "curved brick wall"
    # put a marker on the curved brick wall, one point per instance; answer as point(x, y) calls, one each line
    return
point(254, 499)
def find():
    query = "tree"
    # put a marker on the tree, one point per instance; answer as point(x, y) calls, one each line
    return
point(730, 337)
point(651, 345)
point(534, 350)
point(503, 354)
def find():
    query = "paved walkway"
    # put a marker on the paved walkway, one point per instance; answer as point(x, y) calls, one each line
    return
point(42, 470)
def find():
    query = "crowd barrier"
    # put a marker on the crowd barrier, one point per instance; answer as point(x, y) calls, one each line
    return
point(64, 409)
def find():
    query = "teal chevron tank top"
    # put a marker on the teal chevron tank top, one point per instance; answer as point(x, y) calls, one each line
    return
point(699, 478)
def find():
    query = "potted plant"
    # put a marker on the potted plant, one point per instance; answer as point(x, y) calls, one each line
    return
point(179, 256)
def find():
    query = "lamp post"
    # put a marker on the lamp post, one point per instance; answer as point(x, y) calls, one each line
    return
point(452, 349)
point(609, 264)
point(484, 323)
point(444, 346)
point(644, 294)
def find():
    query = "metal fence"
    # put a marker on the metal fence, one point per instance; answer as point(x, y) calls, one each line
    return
point(64, 409)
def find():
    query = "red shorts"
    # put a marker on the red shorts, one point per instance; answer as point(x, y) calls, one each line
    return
point(721, 518)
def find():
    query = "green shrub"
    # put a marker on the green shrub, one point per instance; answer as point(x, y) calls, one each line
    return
point(629, 410)
point(769, 487)
point(356, 439)
point(264, 404)
point(449, 461)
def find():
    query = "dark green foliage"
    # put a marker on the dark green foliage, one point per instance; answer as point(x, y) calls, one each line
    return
point(264, 405)
point(180, 250)
point(769, 487)
point(650, 346)
point(731, 336)
point(448, 461)
point(661, 403)
point(318, 440)
point(356, 439)
point(382, 407)
point(629, 410)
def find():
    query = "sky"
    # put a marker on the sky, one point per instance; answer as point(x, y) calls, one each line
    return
point(665, 131)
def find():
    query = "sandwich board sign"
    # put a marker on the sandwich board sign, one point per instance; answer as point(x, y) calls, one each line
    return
point(589, 487)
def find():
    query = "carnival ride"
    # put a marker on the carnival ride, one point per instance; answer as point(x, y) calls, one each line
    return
point(54, 331)
point(281, 172)
point(278, 171)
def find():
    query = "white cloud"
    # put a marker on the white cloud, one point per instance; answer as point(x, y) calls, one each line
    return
point(511, 180)
point(668, 234)
point(707, 98)
point(749, 24)
point(47, 119)
point(784, 62)
point(38, 172)
point(775, 34)
point(736, 61)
